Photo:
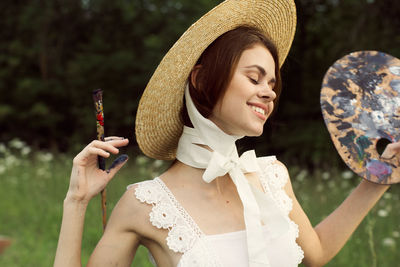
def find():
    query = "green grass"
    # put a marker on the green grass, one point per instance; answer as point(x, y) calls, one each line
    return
point(33, 186)
point(376, 240)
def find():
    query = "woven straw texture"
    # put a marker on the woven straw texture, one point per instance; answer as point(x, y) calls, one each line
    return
point(158, 124)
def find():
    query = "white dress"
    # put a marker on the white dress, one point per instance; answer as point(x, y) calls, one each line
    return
point(228, 249)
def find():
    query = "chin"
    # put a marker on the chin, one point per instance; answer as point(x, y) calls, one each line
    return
point(254, 132)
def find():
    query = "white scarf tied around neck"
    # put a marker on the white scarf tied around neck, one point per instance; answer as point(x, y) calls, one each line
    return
point(259, 208)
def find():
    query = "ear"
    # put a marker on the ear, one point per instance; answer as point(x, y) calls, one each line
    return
point(193, 75)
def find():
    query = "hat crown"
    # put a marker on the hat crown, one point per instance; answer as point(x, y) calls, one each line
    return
point(158, 122)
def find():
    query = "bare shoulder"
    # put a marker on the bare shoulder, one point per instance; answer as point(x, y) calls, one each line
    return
point(127, 228)
point(130, 214)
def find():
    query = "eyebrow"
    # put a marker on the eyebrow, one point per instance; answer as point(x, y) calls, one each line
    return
point(260, 69)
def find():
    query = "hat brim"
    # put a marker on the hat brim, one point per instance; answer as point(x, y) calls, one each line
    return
point(158, 123)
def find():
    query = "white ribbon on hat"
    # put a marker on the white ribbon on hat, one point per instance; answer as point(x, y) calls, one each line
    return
point(259, 208)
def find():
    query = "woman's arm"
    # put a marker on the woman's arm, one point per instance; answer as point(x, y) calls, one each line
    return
point(322, 243)
point(86, 181)
point(119, 243)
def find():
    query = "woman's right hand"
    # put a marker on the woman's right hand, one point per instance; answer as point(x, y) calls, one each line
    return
point(87, 180)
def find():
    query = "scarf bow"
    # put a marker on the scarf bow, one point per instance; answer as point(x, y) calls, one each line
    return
point(258, 207)
point(220, 165)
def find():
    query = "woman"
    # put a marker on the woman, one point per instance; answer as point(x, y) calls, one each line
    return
point(211, 208)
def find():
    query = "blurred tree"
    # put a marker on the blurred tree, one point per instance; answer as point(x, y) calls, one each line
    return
point(53, 53)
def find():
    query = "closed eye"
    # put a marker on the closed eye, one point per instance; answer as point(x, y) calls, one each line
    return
point(253, 80)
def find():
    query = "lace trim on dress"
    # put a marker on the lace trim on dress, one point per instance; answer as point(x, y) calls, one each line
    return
point(184, 235)
point(168, 214)
point(273, 178)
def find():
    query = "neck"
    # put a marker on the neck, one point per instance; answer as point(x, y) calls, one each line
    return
point(190, 175)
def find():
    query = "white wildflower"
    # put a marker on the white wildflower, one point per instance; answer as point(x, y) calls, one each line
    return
point(345, 184)
point(157, 163)
point(45, 157)
point(16, 143)
point(25, 150)
point(3, 148)
point(326, 175)
point(347, 174)
point(331, 184)
point(41, 171)
point(389, 242)
point(387, 195)
point(383, 213)
point(301, 175)
point(396, 234)
point(319, 188)
point(11, 160)
point(141, 160)
point(2, 169)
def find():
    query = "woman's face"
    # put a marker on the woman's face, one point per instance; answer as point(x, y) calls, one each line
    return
point(248, 100)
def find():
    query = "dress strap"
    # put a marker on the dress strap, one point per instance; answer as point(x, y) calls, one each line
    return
point(182, 212)
point(168, 213)
point(274, 176)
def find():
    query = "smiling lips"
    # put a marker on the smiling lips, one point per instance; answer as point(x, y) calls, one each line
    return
point(260, 111)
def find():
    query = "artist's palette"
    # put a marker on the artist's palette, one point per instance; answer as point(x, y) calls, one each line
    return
point(360, 101)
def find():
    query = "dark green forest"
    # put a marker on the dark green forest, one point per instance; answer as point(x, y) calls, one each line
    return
point(53, 53)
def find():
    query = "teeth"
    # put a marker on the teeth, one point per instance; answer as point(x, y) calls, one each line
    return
point(259, 110)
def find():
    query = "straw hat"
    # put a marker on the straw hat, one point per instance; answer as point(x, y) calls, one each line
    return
point(158, 123)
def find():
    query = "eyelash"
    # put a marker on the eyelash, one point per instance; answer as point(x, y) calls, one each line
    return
point(256, 82)
point(253, 81)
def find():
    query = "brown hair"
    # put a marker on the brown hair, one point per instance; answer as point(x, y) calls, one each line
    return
point(218, 63)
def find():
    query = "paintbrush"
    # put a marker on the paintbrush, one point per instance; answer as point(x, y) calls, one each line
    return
point(98, 104)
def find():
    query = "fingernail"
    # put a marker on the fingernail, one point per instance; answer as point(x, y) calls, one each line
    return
point(117, 161)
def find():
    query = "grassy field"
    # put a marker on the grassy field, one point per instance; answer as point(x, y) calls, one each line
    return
point(33, 186)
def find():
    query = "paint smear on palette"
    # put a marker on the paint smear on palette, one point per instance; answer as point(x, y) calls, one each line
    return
point(360, 102)
point(380, 169)
point(395, 84)
point(395, 70)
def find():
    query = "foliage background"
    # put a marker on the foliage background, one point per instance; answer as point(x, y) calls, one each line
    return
point(53, 53)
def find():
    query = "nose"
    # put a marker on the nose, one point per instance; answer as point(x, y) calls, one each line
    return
point(267, 93)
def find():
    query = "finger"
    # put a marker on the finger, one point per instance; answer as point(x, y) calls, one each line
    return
point(117, 164)
point(111, 138)
point(97, 151)
point(118, 142)
point(390, 151)
point(108, 146)
point(395, 146)
point(90, 151)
